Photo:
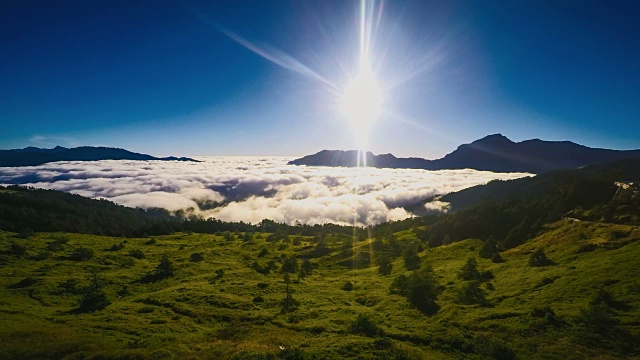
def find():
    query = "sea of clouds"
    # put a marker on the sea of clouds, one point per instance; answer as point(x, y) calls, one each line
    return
point(251, 189)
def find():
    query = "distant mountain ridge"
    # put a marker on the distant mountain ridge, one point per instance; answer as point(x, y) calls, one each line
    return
point(493, 153)
point(32, 156)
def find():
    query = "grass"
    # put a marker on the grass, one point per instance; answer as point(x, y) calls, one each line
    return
point(199, 313)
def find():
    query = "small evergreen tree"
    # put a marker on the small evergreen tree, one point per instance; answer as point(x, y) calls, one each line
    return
point(288, 303)
point(471, 293)
point(420, 288)
point(469, 270)
point(289, 265)
point(411, 258)
point(488, 249)
point(385, 265)
point(165, 269)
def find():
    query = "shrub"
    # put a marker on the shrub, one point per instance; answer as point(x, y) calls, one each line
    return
point(420, 288)
point(363, 325)
point(471, 294)
point(117, 247)
point(496, 259)
point(163, 271)
point(68, 287)
point(347, 286)
point(196, 257)
point(599, 318)
point(548, 314)
point(489, 286)
point(538, 258)
point(385, 266)
point(150, 242)
point(411, 259)
point(289, 265)
point(138, 254)
point(469, 270)
point(26, 282)
point(93, 298)
point(586, 248)
point(263, 252)
point(488, 249)
point(263, 269)
point(81, 254)
point(219, 273)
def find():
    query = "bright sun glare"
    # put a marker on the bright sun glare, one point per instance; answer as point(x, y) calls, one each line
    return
point(361, 102)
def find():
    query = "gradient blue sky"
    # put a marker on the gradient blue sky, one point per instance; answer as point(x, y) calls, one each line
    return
point(161, 77)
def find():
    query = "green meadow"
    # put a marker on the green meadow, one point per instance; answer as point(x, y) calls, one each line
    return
point(224, 296)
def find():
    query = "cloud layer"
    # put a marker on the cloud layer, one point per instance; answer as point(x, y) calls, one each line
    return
point(251, 189)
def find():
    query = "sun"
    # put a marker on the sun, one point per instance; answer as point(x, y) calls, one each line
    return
point(362, 102)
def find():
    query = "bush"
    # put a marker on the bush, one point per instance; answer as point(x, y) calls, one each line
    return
point(411, 259)
point(150, 242)
point(348, 286)
point(471, 294)
point(263, 269)
point(138, 254)
point(163, 271)
point(81, 254)
point(117, 247)
point(586, 248)
point(385, 266)
point(196, 257)
point(488, 249)
point(469, 270)
point(496, 259)
point(548, 314)
point(26, 282)
point(365, 326)
point(538, 258)
point(420, 288)
point(289, 265)
point(93, 298)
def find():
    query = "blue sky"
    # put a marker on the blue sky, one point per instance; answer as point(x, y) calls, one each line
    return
point(165, 77)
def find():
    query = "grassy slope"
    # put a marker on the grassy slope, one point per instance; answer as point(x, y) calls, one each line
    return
point(195, 314)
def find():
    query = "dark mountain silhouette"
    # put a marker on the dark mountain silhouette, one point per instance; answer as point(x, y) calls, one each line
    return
point(551, 184)
point(31, 156)
point(40, 150)
point(494, 153)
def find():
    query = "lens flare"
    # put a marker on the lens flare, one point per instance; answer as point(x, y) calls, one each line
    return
point(362, 102)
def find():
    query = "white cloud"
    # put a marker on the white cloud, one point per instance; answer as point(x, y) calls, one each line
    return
point(254, 188)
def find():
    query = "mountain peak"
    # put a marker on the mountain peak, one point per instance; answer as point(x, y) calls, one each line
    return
point(494, 138)
point(494, 152)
